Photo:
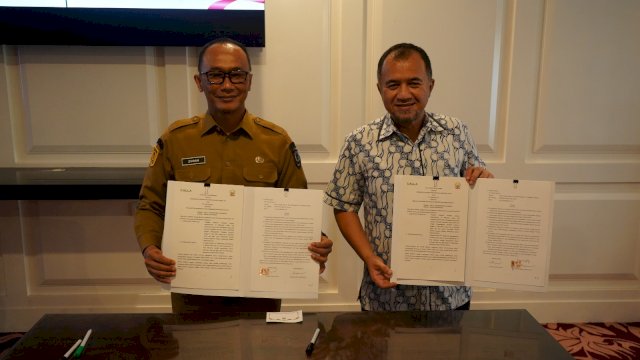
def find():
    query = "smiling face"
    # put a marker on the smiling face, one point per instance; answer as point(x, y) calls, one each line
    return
point(405, 88)
point(226, 100)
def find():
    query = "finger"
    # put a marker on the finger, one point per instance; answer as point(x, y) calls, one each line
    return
point(322, 267)
point(165, 280)
point(324, 243)
point(161, 270)
point(161, 259)
point(322, 252)
point(322, 248)
point(319, 258)
point(152, 264)
point(161, 276)
point(472, 174)
point(385, 284)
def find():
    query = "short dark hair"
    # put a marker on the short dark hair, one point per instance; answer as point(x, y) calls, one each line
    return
point(403, 51)
point(222, 40)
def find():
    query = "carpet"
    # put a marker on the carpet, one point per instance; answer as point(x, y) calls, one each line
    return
point(598, 340)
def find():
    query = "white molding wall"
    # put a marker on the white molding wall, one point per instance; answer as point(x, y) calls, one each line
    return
point(549, 89)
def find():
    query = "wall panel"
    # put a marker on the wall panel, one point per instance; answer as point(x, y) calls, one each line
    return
point(548, 88)
point(589, 96)
point(93, 113)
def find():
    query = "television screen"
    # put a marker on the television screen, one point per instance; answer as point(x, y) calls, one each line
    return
point(131, 22)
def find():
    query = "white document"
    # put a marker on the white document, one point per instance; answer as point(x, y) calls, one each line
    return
point(497, 234)
point(232, 240)
point(284, 316)
point(509, 234)
point(429, 230)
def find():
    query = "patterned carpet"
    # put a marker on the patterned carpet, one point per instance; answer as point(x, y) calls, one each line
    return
point(598, 340)
point(590, 341)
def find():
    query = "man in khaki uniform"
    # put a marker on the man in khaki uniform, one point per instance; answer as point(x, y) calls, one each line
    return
point(227, 145)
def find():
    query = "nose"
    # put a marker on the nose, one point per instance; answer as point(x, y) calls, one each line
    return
point(226, 82)
point(404, 92)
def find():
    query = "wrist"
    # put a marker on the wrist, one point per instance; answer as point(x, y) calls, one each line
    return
point(367, 258)
point(149, 248)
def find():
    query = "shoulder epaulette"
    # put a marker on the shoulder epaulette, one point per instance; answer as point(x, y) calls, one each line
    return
point(269, 125)
point(184, 122)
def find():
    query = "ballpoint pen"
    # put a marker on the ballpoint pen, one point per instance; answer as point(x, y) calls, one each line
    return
point(71, 349)
point(312, 343)
point(80, 348)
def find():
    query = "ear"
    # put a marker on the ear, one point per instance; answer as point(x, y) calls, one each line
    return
point(433, 84)
point(198, 80)
point(379, 88)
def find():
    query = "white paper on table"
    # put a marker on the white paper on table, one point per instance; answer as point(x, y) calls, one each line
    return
point(284, 316)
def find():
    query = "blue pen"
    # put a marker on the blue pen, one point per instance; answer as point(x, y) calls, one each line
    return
point(80, 348)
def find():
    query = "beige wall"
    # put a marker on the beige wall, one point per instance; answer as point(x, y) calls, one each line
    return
point(550, 90)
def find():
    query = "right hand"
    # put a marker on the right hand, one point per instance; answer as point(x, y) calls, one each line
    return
point(379, 272)
point(159, 266)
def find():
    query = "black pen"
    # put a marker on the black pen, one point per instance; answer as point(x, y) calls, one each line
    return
point(312, 343)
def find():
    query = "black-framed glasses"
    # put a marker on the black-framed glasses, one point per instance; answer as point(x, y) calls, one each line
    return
point(216, 77)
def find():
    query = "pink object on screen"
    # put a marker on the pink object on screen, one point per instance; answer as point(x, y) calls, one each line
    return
point(222, 4)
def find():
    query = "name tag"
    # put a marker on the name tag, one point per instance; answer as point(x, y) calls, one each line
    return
point(196, 160)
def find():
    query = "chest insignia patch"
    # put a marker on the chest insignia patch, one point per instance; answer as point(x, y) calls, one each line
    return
point(296, 155)
point(196, 160)
point(154, 156)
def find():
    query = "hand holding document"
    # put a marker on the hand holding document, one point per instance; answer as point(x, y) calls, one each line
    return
point(497, 234)
point(232, 240)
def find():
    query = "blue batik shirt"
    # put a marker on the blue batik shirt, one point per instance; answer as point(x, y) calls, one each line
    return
point(369, 159)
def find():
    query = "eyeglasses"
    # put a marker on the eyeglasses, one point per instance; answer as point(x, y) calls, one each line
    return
point(216, 77)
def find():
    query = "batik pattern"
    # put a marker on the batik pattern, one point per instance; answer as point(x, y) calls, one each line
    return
point(369, 159)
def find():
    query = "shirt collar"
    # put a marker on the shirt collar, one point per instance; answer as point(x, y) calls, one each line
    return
point(433, 122)
point(247, 125)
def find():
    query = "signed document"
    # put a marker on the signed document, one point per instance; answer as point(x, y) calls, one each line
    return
point(496, 234)
point(429, 229)
point(233, 240)
point(509, 237)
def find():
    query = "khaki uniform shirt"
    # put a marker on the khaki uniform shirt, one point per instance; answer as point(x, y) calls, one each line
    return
point(257, 153)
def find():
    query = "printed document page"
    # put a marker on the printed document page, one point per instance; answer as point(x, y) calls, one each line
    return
point(283, 223)
point(202, 233)
point(510, 234)
point(232, 240)
point(429, 230)
point(496, 234)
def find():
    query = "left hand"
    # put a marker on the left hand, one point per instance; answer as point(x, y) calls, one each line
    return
point(473, 173)
point(320, 251)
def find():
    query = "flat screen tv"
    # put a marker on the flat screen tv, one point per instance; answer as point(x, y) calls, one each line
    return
point(131, 22)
